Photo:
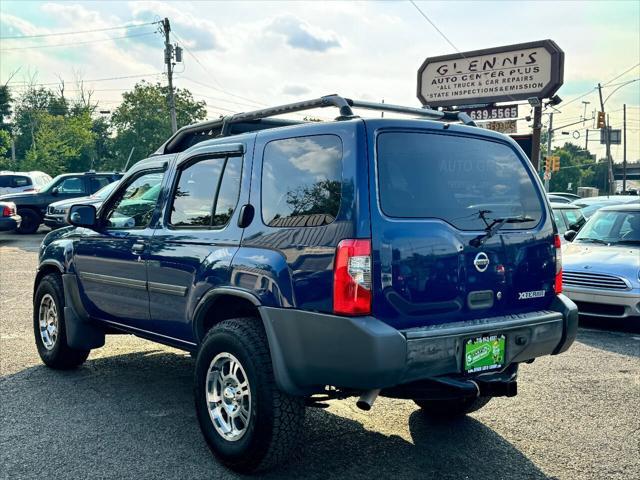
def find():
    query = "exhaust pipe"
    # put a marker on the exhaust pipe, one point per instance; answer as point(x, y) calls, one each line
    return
point(365, 402)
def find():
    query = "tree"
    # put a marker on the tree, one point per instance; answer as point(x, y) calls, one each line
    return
point(142, 120)
point(61, 144)
point(5, 105)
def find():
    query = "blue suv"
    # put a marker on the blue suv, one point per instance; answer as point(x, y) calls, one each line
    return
point(301, 262)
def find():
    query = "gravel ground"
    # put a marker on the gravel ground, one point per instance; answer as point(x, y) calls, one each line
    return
point(128, 413)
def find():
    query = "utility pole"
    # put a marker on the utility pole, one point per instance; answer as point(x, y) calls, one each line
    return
point(586, 139)
point(535, 139)
point(168, 59)
point(624, 149)
point(607, 139)
point(547, 174)
point(584, 114)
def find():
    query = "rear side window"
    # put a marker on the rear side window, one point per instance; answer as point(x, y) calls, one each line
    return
point(301, 181)
point(454, 178)
point(96, 183)
point(5, 180)
point(21, 181)
point(207, 193)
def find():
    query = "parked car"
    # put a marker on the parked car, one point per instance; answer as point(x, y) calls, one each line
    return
point(591, 205)
point(9, 219)
point(17, 182)
point(306, 261)
point(32, 206)
point(567, 195)
point(56, 216)
point(567, 217)
point(602, 263)
point(558, 199)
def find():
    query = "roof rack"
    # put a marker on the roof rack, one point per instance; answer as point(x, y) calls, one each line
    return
point(222, 127)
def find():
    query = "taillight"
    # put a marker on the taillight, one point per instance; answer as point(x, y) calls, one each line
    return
point(558, 248)
point(352, 278)
point(8, 211)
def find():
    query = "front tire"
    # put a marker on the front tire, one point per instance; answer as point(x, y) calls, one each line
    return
point(248, 423)
point(448, 409)
point(49, 326)
point(30, 221)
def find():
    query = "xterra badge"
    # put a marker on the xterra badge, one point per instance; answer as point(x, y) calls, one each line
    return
point(531, 294)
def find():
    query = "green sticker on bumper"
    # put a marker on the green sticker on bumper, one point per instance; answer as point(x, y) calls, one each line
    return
point(484, 353)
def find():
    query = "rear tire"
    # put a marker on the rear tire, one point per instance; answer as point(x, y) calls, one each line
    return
point(448, 409)
point(31, 221)
point(248, 423)
point(49, 326)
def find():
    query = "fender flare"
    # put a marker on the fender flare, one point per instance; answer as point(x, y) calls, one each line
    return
point(280, 371)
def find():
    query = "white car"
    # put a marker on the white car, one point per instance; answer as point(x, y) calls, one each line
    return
point(18, 182)
point(601, 265)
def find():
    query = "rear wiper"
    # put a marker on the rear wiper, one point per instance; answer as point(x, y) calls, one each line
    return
point(495, 225)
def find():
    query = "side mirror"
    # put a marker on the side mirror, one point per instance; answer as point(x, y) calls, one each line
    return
point(569, 235)
point(82, 216)
point(55, 191)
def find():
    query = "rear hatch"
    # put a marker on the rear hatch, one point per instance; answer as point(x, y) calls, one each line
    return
point(434, 196)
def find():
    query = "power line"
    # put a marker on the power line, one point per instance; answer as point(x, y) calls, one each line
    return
point(135, 25)
point(77, 43)
point(618, 76)
point(92, 80)
point(434, 26)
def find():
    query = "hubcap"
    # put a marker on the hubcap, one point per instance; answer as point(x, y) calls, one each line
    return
point(48, 321)
point(228, 397)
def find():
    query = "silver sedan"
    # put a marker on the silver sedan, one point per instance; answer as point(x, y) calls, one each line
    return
point(601, 265)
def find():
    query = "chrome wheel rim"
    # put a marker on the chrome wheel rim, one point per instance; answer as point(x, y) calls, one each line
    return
point(228, 397)
point(48, 321)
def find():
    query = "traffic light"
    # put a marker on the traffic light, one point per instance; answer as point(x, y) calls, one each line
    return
point(601, 123)
point(546, 164)
point(555, 163)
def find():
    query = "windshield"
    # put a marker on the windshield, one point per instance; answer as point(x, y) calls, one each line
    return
point(465, 181)
point(612, 227)
point(105, 191)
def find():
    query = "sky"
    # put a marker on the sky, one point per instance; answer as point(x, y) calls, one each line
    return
point(242, 55)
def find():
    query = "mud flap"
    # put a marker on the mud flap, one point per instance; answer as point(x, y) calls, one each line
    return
point(82, 332)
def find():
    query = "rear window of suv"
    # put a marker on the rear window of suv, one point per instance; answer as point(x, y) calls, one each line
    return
point(454, 178)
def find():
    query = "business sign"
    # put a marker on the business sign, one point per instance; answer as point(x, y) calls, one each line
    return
point(510, 73)
point(615, 136)
point(491, 113)
point(508, 126)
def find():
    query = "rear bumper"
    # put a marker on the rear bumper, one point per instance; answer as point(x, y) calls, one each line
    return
point(310, 350)
point(9, 223)
point(602, 303)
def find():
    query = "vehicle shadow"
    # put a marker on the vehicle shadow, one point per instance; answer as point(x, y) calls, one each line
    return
point(622, 343)
point(132, 416)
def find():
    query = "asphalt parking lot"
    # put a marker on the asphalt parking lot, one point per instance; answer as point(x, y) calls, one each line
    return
point(128, 413)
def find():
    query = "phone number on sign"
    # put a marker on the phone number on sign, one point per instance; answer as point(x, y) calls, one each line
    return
point(493, 113)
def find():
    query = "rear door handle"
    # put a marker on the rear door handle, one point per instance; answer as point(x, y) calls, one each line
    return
point(138, 248)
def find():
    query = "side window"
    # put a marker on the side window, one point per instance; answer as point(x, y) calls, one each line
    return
point(71, 185)
point(301, 181)
point(6, 181)
point(228, 194)
point(207, 193)
point(134, 206)
point(574, 218)
point(96, 183)
point(21, 181)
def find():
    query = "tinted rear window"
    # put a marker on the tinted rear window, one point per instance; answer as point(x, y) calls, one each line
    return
point(454, 178)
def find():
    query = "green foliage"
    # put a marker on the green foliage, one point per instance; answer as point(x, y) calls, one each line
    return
point(142, 120)
point(578, 168)
point(61, 144)
point(5, 105)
